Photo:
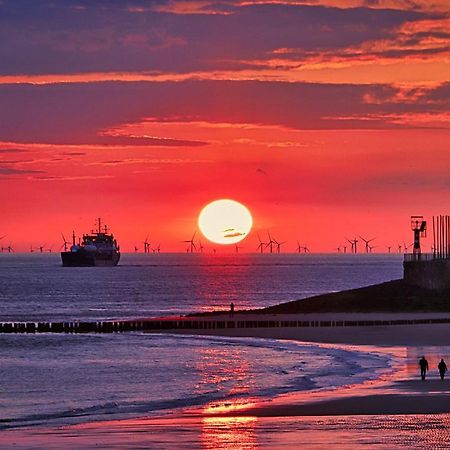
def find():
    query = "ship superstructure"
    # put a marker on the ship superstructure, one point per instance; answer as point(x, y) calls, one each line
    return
point(98, 248)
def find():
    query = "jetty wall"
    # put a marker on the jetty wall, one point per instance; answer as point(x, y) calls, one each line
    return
point(433, 274)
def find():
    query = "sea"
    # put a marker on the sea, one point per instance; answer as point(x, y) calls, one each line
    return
point(63, 379)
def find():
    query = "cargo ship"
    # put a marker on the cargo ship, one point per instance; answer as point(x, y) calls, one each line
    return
point(99, 248)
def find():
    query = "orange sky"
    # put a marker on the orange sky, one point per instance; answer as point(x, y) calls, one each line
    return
point(326, 121)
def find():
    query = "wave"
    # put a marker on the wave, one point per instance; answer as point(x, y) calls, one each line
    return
point(277, 367)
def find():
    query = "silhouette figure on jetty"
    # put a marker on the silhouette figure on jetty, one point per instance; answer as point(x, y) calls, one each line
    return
point(423, 363)
point(442, 368)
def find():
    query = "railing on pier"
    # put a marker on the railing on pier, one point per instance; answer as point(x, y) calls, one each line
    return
point(409, 257)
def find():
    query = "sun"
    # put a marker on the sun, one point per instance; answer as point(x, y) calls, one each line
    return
point(225, 221)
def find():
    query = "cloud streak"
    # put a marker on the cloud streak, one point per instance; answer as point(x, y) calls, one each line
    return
point(85, 114)
point(44, 38)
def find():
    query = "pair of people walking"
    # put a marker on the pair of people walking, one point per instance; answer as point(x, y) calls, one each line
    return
point(423, 363)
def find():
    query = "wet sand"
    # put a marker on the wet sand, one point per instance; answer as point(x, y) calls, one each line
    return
point(389, 335)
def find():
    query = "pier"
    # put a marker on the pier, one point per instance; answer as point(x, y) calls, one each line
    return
point(429, 270)
point(184, 323)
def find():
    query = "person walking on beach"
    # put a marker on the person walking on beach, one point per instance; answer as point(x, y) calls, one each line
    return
point(423, 363)
point(442, 368)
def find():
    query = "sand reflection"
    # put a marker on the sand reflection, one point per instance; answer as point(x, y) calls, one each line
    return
point(228, 432)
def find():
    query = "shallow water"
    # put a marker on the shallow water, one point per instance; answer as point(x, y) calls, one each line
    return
point(73, 378)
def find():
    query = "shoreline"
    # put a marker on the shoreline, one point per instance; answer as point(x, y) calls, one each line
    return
point(395, 393)
point(362, 331)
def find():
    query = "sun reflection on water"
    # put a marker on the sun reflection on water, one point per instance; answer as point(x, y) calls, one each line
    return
point(228, 368)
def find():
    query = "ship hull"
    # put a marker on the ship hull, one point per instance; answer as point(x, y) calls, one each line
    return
point(89, 259)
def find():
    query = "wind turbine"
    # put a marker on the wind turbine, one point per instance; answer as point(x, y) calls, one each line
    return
point(278, 244)
point(65, 244)
point(31, 248)
point(237, 248)
point(146, 245)
point(353, 243)
point(367, 242)
point(399, 248)
point(135, 249)
point(261, 245)
point(389, 249)
point(191, 243)
point(9, 248)
point(407, 246)
point(50, 248)
point(41, 248)
point(200, 246)
point(299, 248)
point(156, 249)
point(338, 249)
point(270, 243)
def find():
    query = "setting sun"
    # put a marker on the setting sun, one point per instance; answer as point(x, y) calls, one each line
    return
point(225, 221)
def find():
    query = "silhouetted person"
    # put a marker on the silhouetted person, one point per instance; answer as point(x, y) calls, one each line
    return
point(231, 309)
point(442, 368)
point(423, 363)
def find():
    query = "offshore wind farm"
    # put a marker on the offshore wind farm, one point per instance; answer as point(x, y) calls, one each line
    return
point(266, 245)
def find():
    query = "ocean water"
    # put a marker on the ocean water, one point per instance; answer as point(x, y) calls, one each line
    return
point(61, 379)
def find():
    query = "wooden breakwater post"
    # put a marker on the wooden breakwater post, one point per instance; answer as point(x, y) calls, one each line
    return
point(184, 324)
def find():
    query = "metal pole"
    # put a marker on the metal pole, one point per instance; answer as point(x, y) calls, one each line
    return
point(443, 236)
point(444, 240)
point(446, 235)
point(439, 235)
point(438, 225)
point(434, 240)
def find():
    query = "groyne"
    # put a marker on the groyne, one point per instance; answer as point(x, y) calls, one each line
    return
point(181, 323)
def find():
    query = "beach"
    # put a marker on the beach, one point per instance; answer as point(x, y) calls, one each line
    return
point(432, 334)
point(254, 379)
point(383, 412)
point(400, 392)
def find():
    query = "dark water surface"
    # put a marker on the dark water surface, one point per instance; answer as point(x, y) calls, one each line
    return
point(48, 379)
point(36, 287)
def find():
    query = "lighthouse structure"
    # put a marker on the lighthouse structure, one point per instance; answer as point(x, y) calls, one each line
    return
point(429, 270)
